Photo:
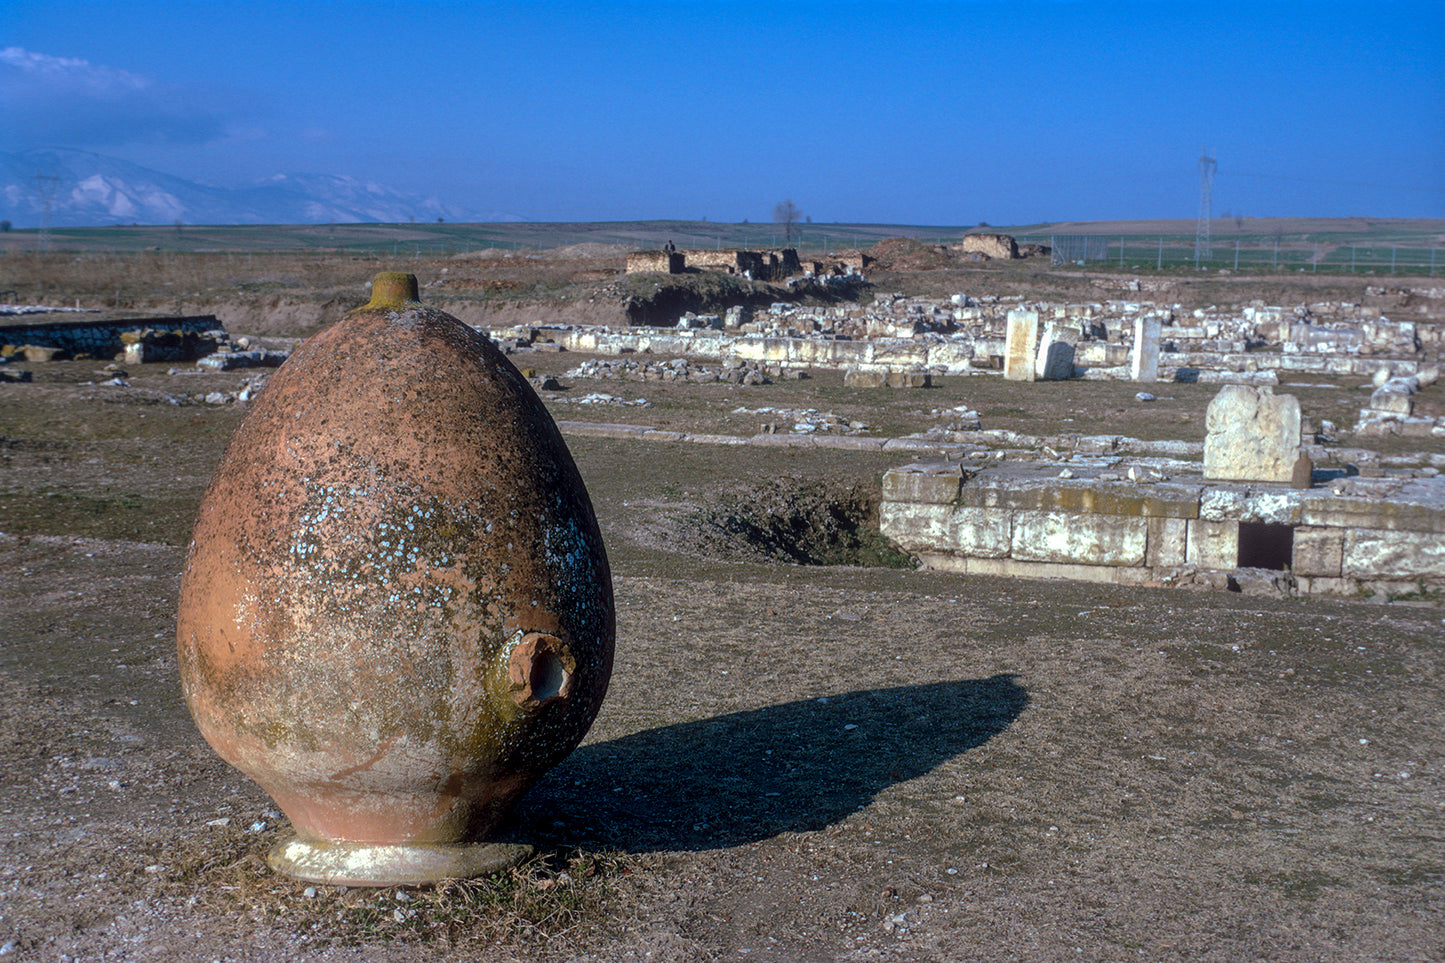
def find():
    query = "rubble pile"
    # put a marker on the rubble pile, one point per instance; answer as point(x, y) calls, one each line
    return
point(804, 421)
point(965, 334)
point(681, 369)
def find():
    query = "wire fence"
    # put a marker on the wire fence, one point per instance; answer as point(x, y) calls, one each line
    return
point(1247, 253)
point(1418, 255)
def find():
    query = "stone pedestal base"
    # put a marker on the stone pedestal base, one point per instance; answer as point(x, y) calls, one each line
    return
point(352, 864)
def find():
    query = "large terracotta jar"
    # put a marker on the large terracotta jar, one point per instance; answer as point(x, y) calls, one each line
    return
point(396, 612)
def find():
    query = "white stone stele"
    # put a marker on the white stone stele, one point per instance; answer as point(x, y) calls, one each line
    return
point(1254, 435)
point(1022, 347)
point(1145, 364)
point(359, 864)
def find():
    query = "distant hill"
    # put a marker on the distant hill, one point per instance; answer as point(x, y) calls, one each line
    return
point(92, 190)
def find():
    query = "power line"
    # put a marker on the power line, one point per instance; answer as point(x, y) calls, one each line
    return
point(1206, 191)
point(45, 185)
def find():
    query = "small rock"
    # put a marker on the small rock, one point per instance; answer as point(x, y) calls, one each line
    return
point(1144, 396)
point(309, 892)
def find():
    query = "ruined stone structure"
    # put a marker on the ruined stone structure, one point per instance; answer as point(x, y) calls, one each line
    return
point(1000, 246)
point(758, 265)
point(1255, 346)
point(841, 263)
point(729, 261)
point(659, 262)
point(1355, 536)
point(107, 339)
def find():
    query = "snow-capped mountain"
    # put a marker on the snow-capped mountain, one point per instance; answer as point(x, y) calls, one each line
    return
point(91, 190)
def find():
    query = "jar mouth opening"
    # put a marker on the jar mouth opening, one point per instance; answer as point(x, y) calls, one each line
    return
point(393, 288)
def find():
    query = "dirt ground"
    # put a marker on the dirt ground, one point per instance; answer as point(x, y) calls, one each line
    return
point(794, 763)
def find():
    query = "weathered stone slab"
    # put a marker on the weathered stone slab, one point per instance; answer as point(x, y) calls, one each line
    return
point(1001, 489)
point(1397, 511)
point(1168, 542)
point(1213, 545)
point(1317, 552)
point(1056, 352)
point(597, 430)
point(945, 529)
point(1394, 397)
point(1022, 346)
point(1323, 585)
point(1018, 568)
point(909, 379)
point(850, 442)
point(1144, 365)
point(1080, 539)
point(1244, 505)
point(1382, 554)
point(710, 439)
point(854, 378)
point(1254, 435)
point(927, 484)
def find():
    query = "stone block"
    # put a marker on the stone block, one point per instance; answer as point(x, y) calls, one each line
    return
point(945, 529)
point(1213, 545)
point(1022, 346)
point(980, 533)
point(1079, 539)
point(1370, 553)
point(1254, 435)
point(1244, 505)
point(1015, 568)
point(909, 379)
point(1328, 586)
point(1145, 363)
point(1318, 552)
point(1393, 397)
point(39, 353)
point(1394, 514)
point(924, 484)
point(856, 378)
point(1168, 542)
point(1022, 493)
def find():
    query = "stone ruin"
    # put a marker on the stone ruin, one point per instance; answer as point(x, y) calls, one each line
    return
point(997, 246)
point(1248, 509)
point(1248, 518)
point(1116, 340)
point(757, 265)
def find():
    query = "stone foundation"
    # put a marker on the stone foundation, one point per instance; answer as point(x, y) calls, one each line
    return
point(1355, 537)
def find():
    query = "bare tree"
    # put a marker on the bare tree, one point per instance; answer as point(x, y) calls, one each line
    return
point(787, 214)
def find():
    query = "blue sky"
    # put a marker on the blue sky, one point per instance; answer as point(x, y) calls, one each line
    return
point(894, 112)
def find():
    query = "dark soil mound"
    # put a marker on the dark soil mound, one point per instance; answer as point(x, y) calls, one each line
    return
point(790, 520)
point(660, 299)
point(906, 254)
